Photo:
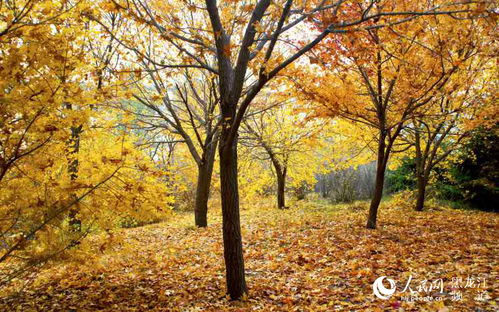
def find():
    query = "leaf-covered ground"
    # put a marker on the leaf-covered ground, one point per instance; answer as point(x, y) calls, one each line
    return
point(312, 257)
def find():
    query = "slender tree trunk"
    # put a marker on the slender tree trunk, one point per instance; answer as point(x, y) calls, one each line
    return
point(280, 171)
point(421, 193)
point(281, 185)
point(420, 176)
point(422, 182)
point(74, 148)
point(233, 249)
point(202, 196)
point(325, 191)
point(3, 169)
point(378, 186)
point(205, 171)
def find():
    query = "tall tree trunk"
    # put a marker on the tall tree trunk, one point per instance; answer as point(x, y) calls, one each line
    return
point(281, 185)
point(324, 186)
point(231, 224)
point(421, 193)
point(379, 182)
point(420, 161)
point(280, 171)
point(74, 148)
point(423, 175)
point(205, 171)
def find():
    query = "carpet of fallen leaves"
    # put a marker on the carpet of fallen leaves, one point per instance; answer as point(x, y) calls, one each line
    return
point(312, 257)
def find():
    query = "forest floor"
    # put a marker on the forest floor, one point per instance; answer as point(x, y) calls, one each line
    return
point(311, 257)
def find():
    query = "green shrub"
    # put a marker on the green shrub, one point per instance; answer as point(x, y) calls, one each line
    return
point(403, 178)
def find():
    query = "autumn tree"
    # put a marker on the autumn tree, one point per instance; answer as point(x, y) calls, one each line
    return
point(103, 60)
point(170, 103)
point(44, 67)
point(38, 65)
point(385, 76)
point(287, 139)
point(247, 44)
point(189, 111)
point(441, 129)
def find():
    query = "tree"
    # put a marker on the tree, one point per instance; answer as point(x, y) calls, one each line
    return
point(182, 101)
point(477, 176)
point(188, 110)
point(288, 140)
point(44, 67)
point(441, 128)
point(39, 66)
point(386, 76)
point(246, 46)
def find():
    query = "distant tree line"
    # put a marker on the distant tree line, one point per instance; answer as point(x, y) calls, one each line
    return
point(347, 185)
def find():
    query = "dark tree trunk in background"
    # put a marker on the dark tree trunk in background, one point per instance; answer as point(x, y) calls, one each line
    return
point(233, 249)
point(281, 183)
point(205, 171)
point(422, 171)
point(281, 171)
point(422, 174)
point(379, 182)
point(73, 149)
point(281, 187)
point(324, 186)
point(421, 193)
point(202, 196)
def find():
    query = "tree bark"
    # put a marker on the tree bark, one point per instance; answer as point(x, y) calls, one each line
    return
point(205, 171)
point(233, 249)
point(280, 171)
point(324, 187)
point(379, 182)
point(281, 185)
point(73, 163)
point(421, 193)
point(420, 160)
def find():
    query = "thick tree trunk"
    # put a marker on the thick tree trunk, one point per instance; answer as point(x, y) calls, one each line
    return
point(378, 186)
point(205, 171)
point(421, 193)
point(233, 249)
point(281, 185)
